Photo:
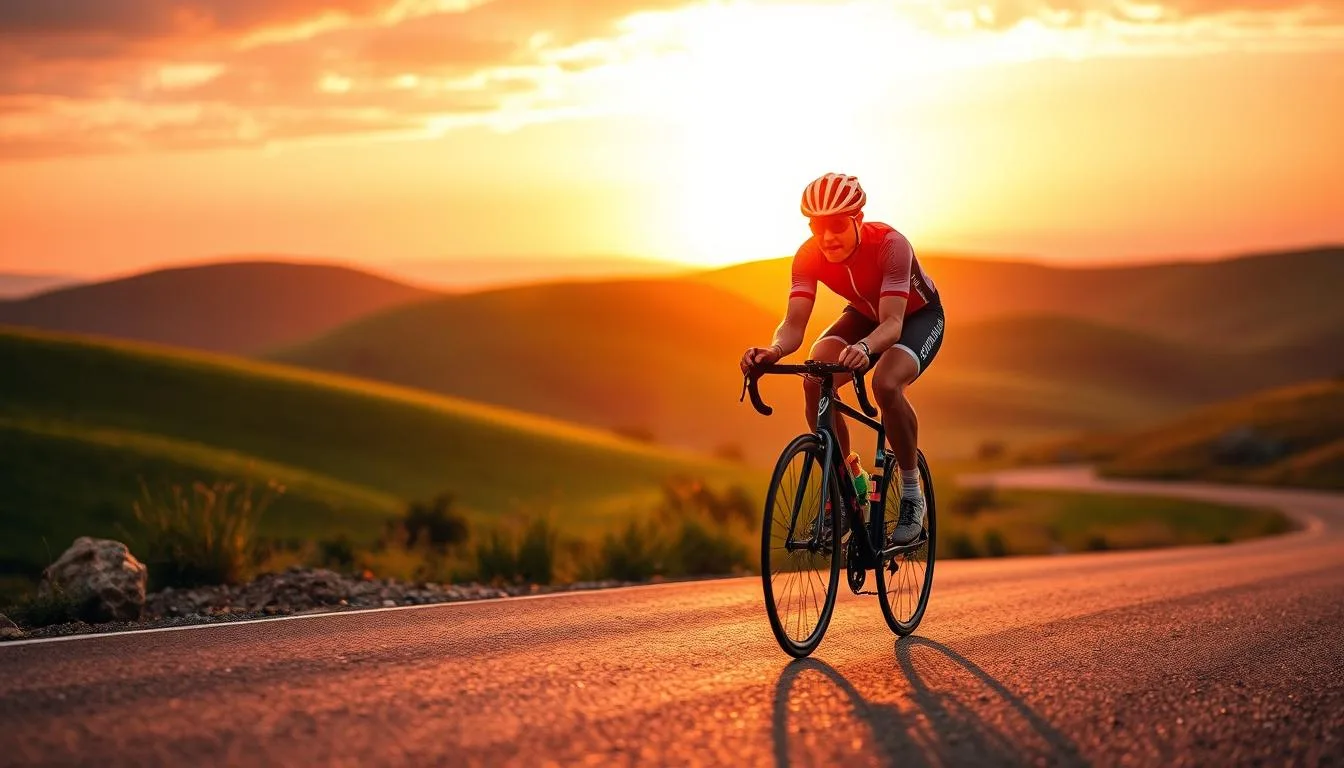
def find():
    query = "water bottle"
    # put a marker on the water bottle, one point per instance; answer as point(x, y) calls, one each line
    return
point(862, 484)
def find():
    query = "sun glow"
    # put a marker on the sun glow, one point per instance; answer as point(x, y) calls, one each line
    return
point(760, 100)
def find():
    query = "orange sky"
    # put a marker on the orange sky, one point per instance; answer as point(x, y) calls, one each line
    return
point(377, 131)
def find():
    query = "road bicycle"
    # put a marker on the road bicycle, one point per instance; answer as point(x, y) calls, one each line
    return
point(812, 503)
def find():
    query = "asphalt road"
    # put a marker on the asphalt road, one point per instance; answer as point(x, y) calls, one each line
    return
point(1197, 656)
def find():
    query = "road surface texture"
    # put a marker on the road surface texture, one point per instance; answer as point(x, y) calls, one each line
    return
point(1215, 655)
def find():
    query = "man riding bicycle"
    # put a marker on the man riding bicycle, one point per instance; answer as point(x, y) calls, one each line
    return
point(894, 312)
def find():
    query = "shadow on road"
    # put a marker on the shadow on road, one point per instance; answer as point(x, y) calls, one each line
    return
point(935, 708)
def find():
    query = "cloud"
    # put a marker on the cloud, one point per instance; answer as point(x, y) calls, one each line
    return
point(192, 72)
point(34, 130)
point(1318, 8)
point(168, 19)
point(1005, 14)
point(393, 62)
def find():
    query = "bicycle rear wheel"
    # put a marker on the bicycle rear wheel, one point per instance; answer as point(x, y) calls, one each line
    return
point(800, 560)
point(904, 580)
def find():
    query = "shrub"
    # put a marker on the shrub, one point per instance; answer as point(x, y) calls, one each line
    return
point(690, 498)
point(203, 537)
point(694, 531)
point(52, 605)
point(960, 545)
point(436, 522)
point(703, 549)
point(995, 546)
point(495, 557)
point(633, 554)
point(337, 552)
point(535, 558)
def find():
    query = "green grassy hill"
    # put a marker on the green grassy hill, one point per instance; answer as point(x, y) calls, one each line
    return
point(651, 357)
point(81, 421)
point(1286, 436)
point(239, 307)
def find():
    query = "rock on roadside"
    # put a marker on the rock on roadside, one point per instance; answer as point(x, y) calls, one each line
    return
point(8, 630)
point(104, 573)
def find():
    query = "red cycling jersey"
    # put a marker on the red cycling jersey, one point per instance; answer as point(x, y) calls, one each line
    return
point(883, 264)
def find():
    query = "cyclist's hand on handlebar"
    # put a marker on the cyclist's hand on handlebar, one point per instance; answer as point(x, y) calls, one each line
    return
point(759, 356)
point(854, 358)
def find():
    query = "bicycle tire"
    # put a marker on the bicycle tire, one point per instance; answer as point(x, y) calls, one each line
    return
point(777, 561)
point(921, 560)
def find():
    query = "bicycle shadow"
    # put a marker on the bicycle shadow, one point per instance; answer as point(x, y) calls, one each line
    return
point(954, 713)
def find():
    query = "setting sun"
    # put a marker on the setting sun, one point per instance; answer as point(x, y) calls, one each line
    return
point(390, 132)
point(750, 128)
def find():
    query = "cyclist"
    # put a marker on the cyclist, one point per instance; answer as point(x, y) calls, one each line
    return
point(894, 311)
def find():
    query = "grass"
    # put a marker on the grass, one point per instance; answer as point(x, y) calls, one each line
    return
point(40, 608)
point(1014, 522)
point(201, 535)
point(59, 485)
point(1291, 435)
point(82, 422)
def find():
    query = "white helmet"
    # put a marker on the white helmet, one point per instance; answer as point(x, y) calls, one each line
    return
point(832, 194)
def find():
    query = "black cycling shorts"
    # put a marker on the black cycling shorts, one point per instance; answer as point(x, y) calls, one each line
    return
point(921, 333)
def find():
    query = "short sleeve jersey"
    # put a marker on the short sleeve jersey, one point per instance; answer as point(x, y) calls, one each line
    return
point(883, 264)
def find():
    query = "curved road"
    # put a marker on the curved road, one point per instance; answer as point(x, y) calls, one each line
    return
point(1198, 656)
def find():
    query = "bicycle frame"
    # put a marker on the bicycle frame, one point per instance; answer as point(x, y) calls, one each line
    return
point(869, 556)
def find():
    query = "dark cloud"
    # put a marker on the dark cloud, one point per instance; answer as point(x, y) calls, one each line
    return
point(167, 18)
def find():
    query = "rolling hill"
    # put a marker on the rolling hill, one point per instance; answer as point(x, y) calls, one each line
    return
point(659, 357)
point(1265, 301)
point(16, 285)
point(656, 357)
point(465, 273)
point(237, 307)
point(81, 421)
point(1290, 435)
point(1032, 351)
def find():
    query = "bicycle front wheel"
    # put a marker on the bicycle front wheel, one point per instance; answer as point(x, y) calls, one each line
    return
point(905, 579)
point(800, 554)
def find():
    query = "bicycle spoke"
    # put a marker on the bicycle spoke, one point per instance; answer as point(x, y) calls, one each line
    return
point(796, 571)
point(904, 590)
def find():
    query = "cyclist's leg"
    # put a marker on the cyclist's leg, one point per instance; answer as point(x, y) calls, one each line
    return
point(897, 369)
point(847, 329)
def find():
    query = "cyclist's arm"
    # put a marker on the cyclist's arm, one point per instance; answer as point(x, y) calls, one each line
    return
point(891, 310)
point(789, 334)
point(802, 296)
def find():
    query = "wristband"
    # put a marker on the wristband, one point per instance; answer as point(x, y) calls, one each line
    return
point(866, 349)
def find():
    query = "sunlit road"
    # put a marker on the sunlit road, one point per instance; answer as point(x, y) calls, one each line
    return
point(1201, 656)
